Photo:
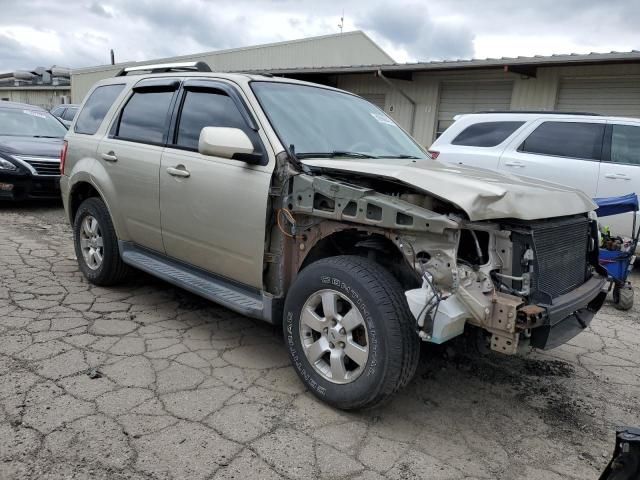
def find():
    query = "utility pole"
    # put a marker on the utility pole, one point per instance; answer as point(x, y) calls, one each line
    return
point(341, 24)
point(113, 57)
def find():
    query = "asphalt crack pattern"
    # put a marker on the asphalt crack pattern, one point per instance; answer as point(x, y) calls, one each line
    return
point(145, 381)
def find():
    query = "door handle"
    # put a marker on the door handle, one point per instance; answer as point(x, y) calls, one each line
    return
point(617, 176)
point(109, 157)
point(514, 164)
point(178, 171)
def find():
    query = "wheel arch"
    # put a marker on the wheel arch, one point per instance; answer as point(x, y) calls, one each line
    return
point(85, 186)
point(378, 246)
point(79, 192)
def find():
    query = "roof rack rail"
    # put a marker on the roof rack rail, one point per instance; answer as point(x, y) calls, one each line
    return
point(549, 112)
point(167, 67)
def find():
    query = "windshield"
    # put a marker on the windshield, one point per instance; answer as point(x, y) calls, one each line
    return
point(30, 123)
point(326, 123)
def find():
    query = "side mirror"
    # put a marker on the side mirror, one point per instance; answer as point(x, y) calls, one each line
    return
point(225, 142)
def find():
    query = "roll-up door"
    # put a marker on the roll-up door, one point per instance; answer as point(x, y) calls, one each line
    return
point(470, 97)
point(377, 99)
point(609, 96)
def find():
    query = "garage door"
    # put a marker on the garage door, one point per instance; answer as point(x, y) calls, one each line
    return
point(609, 96)
point(377, 99)
point(464, 97)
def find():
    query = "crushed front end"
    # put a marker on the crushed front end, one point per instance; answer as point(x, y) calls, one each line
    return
point(534, 283)
point(525, 282)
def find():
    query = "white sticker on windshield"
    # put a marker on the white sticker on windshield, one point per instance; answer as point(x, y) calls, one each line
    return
point(34, 113)
point(382, 118)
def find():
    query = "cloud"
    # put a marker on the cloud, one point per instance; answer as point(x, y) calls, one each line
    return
point(410, 27)
point(79, 33)
point(100, 10)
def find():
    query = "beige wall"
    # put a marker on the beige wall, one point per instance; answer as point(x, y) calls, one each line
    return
point(46, 97)
point(350, 48)
point(539, 93)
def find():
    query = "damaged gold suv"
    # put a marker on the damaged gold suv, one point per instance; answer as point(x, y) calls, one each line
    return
point(307, 206)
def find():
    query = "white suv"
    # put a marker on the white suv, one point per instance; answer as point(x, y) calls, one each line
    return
point(596, 154)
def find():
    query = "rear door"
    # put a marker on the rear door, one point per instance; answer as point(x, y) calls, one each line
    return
point(563, 151)
point(620, 170)
point(131, 154)
point(214, 213)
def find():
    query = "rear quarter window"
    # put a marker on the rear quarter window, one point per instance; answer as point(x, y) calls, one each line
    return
point(96, 107)
point(486, 134)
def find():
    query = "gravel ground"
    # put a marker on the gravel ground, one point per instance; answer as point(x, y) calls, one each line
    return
point(147, 381)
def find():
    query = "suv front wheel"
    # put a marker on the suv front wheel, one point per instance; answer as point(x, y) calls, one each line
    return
point(96, 244)
point(349, 332)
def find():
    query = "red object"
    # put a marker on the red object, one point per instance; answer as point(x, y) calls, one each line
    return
point(433, 154)
point(63, 156)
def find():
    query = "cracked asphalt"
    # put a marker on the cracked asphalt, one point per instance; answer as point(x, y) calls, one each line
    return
point(146, 381)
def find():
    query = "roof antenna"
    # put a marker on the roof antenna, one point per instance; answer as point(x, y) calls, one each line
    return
point(341, 24)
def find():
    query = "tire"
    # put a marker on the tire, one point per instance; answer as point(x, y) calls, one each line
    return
point(623, 297)
point(386, 330)
point(111, 269)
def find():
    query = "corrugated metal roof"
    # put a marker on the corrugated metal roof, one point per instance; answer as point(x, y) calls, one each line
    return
point(285, 43)
point(534, 61)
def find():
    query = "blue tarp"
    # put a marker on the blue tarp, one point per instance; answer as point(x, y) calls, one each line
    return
point(615, 205)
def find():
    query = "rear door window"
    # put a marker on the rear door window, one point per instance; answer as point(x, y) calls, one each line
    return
point(145, 117)
point(566, 139)
point(486, 134)
point(625, 144)
point(96, 107)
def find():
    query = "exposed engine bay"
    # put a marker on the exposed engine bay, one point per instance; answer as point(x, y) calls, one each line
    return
point(516, 279)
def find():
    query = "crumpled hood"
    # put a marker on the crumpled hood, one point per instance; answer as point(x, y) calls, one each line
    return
point(482, 194)
point(37, 147)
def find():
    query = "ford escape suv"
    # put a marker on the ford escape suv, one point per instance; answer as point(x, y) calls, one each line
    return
point(307, 206)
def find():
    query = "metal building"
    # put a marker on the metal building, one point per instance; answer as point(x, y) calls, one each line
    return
point(40, 86)
point(349, 48)
point(424, 97)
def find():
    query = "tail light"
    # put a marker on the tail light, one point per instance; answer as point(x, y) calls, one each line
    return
point(433, 154)
point(63, 156)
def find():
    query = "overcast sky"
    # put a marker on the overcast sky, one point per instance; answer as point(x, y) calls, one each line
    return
point(79, 33)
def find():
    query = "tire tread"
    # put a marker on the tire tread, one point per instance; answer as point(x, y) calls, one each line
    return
point(392, 304)
point(114, 270)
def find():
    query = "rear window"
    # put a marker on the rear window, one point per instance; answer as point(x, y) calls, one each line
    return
point(96, 107)
point(566, 139)
point(145, 117)
point(486, 134)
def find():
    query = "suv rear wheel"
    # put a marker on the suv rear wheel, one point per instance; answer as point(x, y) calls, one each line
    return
point(96, 244)
point(349, 332)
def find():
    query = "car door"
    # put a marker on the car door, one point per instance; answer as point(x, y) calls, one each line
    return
point(131, 155)
point(620, 170)
point(563, 151)
point(213, 208)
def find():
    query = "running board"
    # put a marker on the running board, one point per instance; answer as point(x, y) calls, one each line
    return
point(232, 296)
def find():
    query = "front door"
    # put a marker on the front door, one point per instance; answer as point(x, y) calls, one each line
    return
point(213, 209)
point(620, 171)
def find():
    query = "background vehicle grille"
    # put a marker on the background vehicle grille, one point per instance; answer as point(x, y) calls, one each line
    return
point(560, 255)
point(45, 167)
